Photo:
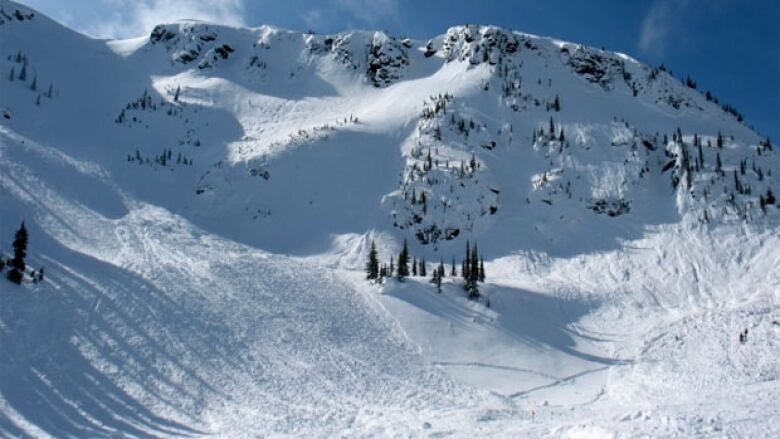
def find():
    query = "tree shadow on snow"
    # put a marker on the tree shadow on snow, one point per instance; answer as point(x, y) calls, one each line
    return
point(74, 363)
point(544, 321)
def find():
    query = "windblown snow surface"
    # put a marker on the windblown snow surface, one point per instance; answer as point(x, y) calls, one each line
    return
point(203, 199)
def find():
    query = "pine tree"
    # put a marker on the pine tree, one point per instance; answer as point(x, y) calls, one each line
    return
point(701, 156)
point(561, 138)
point(471, 269)
point(372, 266)
point(20, 248)
point(552, 127)
point(454, 271)
point(176, 96)
point(414, 267)
point(474, 268)
point(23, 73)
point(482, 270)
point(557, 104)
point(464, 270)
point(436, 280)
point(718, 164)
point(20, 253)
point(422, 270)
point(472, 289)
point(34, 85)
point(403, 262)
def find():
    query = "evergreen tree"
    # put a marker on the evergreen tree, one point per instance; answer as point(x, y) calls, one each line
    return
point(701, 156)
point(561, 138)
point(20, 253)
point(472, 289)
point(403, 262)
point(464, 267)
point(176, 96)
point(23, 73)
point(20, 248)
point(474, 268)
point(34, 85)
point(436, 280)
point(414, 267)
point(471, 271)
point(737, 183)
point(454, 271)
point(372, 266)
point(557, 104)
point(482, 270)
point(552, 127)
point(423, 272)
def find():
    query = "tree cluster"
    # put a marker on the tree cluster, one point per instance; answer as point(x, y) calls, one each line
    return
point(19, 72)
point(165, 158)
point(472, 268)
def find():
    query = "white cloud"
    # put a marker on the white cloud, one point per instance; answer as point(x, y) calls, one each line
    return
point(313, 18)
point(138, 17)
point(659, 25)
point(372, 12)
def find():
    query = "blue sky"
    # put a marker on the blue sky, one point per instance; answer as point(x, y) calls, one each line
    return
point(731, 47)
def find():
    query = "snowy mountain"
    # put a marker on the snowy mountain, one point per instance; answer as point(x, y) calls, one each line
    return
point(203, 201)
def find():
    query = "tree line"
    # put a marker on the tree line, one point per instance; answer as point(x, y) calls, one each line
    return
point(472, 268)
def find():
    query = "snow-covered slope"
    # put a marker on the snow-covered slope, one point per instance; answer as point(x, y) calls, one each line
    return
point(203, 199)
